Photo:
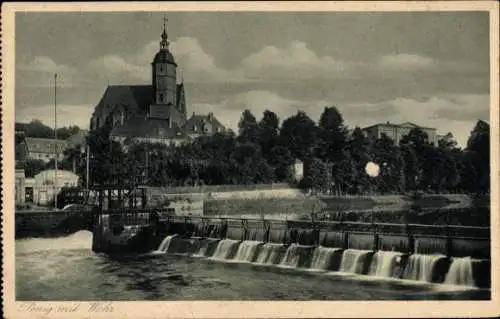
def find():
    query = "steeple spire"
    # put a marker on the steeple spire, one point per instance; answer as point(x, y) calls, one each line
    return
point(164, 36)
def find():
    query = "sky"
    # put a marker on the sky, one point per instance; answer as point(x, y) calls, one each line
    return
point(429, 68)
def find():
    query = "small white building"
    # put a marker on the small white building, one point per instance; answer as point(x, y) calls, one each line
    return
point(41, 189)
point(298, 170)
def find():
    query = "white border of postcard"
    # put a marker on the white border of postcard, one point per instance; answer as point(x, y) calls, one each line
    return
point(239, 309)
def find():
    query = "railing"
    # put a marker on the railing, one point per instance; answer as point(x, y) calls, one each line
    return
point(145, 217)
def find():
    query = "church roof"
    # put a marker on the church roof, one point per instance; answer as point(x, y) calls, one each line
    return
point(149, 128)
point(128, 95)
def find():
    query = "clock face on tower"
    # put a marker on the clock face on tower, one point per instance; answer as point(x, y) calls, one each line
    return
point(161, 69)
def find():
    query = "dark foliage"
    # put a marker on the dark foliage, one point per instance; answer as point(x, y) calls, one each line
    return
point(264, 152)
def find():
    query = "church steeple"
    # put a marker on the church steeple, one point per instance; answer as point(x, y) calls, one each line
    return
point(164, 36)
point(164, 71)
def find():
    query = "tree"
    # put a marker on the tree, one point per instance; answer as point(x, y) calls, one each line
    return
point(359, 151)
point(332, 135)
point(478, 146)
point(33, 166)
point(411, 169)
point(315, 176)
point(281, 159)
point(248, 128)
point(416, 138)
point(37, 129)
point(268, 129)
point(250, 165)
point(447, 142)
point(390, 160)
point(298, 134)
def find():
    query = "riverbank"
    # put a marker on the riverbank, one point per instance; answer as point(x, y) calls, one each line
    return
point(287, 202)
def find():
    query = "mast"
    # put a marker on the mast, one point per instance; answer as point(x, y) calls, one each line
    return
point(55, 139)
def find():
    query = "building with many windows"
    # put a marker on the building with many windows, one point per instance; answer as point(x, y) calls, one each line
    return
point(40, 149)
point(397, 131)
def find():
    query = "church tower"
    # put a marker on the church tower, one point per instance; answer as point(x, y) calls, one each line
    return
point(164, 80)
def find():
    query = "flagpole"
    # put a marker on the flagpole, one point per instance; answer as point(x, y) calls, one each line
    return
point(55, 139)
point(88, 171)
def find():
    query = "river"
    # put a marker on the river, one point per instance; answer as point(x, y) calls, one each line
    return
point(64, 269)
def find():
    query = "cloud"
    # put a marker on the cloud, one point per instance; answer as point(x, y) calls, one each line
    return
point(229, 110)
point(45, 64)
point(405, 62)
point(294, 62)
point(117, 69)
point(40, 71)
point(66, 114)
point(193, 62)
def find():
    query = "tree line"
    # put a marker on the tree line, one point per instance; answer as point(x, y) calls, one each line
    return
point(36, 128)
point(264, 151)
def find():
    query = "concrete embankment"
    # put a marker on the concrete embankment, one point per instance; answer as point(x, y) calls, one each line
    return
point(282, 200)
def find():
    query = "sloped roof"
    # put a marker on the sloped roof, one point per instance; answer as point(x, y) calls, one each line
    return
point(405, 124)
point(410, 124)
point(21, 127)
point(197, 120)
point(141, 96)
point(128, 95)
point(45, 145)
point(151, 128)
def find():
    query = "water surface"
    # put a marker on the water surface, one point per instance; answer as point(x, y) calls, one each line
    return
point(66, 269)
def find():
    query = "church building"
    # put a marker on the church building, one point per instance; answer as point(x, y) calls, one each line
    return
point(153, 113)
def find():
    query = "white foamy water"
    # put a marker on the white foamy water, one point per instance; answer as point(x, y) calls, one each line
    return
point(384, 263)
point(79, 240)
point(420, 267)
point(460, 273)
point(269, 253)
point(165, 243)
point(247, 250)
point(322, 257)
point(353, 260)
point(224, 248)
point(293, 254)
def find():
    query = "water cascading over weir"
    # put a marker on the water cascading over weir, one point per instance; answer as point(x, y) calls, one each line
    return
point(429, 254)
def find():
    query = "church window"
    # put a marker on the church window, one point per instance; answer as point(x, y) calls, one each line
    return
point(195, 128)
point(161, 97)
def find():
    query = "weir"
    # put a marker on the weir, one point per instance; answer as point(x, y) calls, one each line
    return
point(426, 253)
point(430, 269)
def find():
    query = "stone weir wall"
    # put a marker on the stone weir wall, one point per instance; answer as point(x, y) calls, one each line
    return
point(452, 241)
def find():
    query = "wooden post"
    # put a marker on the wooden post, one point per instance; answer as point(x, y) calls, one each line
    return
point(376, 238)
point(346, 240)
point(449, 237)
